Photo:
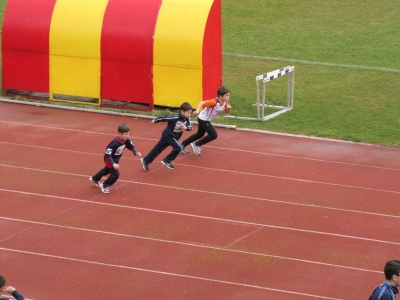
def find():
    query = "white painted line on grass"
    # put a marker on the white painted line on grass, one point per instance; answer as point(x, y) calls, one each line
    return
point(165, 273)
point(308, 62)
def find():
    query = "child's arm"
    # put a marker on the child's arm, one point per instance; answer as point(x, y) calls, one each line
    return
point(189, 125)
point(131, 146)
point(168, 118)
point(228, 108)
point(14, 292)
point(198, 108)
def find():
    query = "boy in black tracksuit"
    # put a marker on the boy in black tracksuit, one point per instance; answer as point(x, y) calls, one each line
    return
point(113, 153)
point(389, 288)
point(170, 136)
point(9, 289)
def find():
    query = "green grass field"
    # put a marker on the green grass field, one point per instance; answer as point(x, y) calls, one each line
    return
point(347, 65)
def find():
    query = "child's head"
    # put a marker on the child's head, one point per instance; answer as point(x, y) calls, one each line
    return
point(123, 131)
point(185, 109)
point(2, 281)
point(391, 270)
point(223, 94)
point(222, 91)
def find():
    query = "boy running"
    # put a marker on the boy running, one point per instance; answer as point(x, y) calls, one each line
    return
point(212, 108)
point(172, 133)
point(113, 153)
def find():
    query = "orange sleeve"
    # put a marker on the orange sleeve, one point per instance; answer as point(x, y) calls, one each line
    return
point(210, 103)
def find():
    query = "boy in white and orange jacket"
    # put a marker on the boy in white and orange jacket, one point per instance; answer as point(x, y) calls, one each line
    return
point(211, 109)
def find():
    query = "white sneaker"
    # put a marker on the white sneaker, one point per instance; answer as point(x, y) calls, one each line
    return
point(184, 149)
point(105, 190)
point(196, 148)
point(96, 183)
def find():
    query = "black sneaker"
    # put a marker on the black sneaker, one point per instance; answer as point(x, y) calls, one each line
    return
point(169, 165)
point(145, 166)
point(184, 149)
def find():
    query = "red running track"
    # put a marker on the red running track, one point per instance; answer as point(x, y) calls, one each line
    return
point(257, 216)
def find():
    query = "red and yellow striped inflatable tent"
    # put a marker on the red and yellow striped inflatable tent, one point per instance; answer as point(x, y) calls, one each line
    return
point(153, 52)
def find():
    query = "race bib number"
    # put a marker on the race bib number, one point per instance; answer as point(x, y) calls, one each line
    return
point(120, 150)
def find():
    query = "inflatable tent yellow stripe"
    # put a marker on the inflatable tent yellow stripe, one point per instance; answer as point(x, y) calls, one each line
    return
point(178, 44)
point(75, 35)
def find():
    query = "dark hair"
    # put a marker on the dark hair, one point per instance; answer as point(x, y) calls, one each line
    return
point(392, 267)
point(2, 281)
point(222, 91)
point(123, 128)
point(185, 106)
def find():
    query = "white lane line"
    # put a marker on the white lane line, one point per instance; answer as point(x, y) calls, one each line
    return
point(214, 147)
point(209, 218)
point(225, 149)
point(54, 149)
point(306, 158)
point(229, 171)
point(165, 273)
point(219, 194)
point(308, 62)
point(225, 249)
point(297, 179)
point(254, 174)
point(69, 129)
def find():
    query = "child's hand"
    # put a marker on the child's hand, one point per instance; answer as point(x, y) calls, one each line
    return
point(8, 289)
point(183, 127)
point(116, 166)
point(195, 113)
point(152, 121)
point(140, 154)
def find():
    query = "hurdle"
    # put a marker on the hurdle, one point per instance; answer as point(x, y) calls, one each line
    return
point(260, 96)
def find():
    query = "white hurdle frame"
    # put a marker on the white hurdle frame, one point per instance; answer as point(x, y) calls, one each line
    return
point(289, 70)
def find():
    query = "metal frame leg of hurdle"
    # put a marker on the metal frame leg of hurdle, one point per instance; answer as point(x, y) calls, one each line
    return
point(289, 70)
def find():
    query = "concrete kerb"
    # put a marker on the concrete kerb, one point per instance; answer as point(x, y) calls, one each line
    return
point(97, 111)
point(109, 112)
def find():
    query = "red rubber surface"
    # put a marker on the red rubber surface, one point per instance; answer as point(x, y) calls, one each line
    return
point(257, 216)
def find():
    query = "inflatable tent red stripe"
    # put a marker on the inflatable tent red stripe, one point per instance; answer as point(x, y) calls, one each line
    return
point(25, 39)
point(127, 50)
point(212, 52)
